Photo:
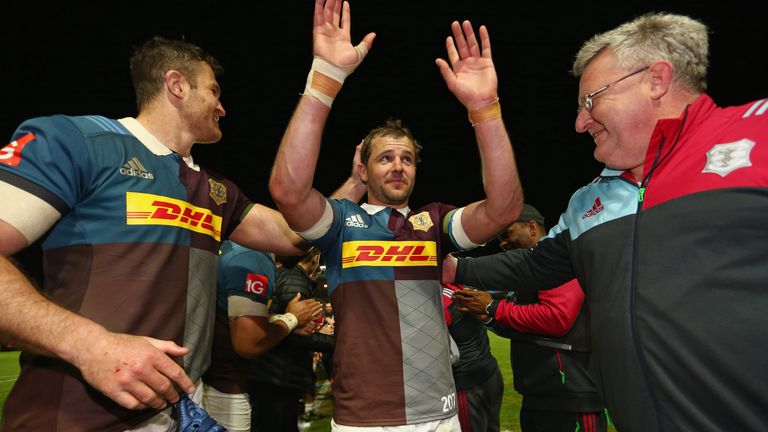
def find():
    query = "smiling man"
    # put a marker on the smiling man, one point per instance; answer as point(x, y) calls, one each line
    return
point(132, 232)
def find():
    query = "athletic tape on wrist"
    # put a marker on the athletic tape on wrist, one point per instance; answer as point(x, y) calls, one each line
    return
point(288, 318)
point(325, 79)
point(490, 112)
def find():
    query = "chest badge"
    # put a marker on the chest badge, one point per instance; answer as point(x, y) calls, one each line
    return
point(218, 192)
point(421, 221)
point(722, 159)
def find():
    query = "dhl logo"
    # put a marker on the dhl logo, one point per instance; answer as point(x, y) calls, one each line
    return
point(148, 209)
point(388, 253)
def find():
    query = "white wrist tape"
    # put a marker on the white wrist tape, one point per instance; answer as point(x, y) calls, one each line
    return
point(325, 79)
point(288, 318)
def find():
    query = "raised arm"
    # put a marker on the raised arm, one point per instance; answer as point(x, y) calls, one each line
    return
point(470, 75)
point(334, 59)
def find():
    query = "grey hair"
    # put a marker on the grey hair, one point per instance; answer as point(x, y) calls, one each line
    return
point(678, 39)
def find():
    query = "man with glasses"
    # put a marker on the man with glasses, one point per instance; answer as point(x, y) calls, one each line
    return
point(668, 242)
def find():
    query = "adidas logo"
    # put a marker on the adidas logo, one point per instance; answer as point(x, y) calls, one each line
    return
point(355, 221)
point(597, 207)
point(134, 168)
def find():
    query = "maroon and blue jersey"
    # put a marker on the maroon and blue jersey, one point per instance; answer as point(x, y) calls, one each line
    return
point(133, 244)
point(247, 277)
point(392, 352)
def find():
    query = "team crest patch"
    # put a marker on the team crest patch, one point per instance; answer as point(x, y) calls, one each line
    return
point(218, 192)
point(722, 159)
point(421, 221)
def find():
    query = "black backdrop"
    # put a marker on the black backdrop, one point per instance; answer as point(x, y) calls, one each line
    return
point(72, 58)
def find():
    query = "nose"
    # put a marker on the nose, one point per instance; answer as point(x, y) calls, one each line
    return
point(397, 164)
point(583, 119)
point(220, 109)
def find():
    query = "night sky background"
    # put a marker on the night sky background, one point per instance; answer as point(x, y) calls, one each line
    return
point(72, 58)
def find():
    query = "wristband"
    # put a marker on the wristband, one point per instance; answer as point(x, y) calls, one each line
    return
point(490, 322)
point(490, 308)
point(288, 318)
point(490, 112)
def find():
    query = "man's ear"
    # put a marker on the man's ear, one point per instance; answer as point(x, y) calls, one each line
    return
point(363, 172)
point(661, 78)
point(175, 83)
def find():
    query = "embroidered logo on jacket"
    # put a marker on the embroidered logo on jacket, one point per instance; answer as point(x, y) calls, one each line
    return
point(597, 207)
point(134, 168)
point(383, 253)
point(722, 159)
point(11, 153)
point(355, 221)
point(421, 221)
point(148, 209)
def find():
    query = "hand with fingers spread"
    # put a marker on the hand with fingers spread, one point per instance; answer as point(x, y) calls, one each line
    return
point(334, 55)
point(470, 75)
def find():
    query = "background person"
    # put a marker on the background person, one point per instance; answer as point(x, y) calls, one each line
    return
point(549, 343)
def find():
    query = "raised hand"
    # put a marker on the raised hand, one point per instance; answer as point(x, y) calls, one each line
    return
point(471, 75)
point(331, 36)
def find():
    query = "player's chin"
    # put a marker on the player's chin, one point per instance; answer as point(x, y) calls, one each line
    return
point(211, 138)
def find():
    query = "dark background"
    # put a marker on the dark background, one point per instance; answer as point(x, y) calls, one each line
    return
point(72, 58)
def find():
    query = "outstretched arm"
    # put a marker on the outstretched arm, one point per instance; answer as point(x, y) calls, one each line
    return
point(470, 75)
point(553, 315)
point(334, 59)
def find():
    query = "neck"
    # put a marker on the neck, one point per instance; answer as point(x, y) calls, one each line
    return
point(167, 131)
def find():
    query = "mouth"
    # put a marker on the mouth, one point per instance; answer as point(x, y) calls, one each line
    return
point(596, 133)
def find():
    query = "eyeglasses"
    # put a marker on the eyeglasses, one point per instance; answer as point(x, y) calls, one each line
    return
point(585, 102)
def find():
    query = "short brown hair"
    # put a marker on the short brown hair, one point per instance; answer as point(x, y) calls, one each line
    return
point(393, 127)
point(155, 57)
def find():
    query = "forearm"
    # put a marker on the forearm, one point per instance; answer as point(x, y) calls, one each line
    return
point(35, 323)
point(484, 220)
point(292, 175)
point(253, 336)
point(503, 191)
point(265, 229)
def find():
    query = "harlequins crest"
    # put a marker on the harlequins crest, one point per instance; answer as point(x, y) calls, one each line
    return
point(421, 221)
point(218, 192)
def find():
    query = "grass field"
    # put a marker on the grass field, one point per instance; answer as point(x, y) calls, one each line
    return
point(9, 370)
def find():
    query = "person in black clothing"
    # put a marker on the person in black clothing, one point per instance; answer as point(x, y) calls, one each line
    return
point(479, 384)
point(279, 379)
point(549, 343)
